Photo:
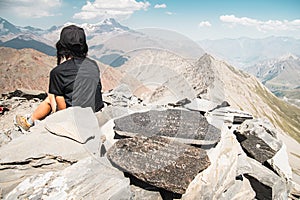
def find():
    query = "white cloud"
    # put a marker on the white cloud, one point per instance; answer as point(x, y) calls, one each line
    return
point(160, 6)
point(270, 25)
point(169, 13)
point(31, 8)
point(120, 9)
point(205, 24)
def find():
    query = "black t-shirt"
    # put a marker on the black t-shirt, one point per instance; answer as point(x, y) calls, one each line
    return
point(78, 81)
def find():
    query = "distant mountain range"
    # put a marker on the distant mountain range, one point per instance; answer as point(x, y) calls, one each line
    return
point(108, 40)
point(44, 40)
point(281, 76)
point(273, 60)
point(245, 52)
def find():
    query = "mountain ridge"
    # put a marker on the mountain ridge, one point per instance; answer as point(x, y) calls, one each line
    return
point(244, 52)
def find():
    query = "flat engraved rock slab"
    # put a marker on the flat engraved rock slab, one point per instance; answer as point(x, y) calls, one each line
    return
point(185, 126)
point(159, 161)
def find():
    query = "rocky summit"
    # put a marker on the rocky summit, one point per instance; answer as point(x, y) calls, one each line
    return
point(87, 156)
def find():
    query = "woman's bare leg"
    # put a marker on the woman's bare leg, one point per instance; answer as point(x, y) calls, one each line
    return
point(42, 111)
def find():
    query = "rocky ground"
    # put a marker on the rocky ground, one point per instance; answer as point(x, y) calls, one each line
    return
point(193, 149)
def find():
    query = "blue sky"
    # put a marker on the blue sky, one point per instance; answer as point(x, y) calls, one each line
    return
point(197, 19)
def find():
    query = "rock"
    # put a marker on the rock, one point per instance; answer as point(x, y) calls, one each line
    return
point(110, 112)
point(123, 90)
point(240, 190)
point(280, 164)
point(265, 183)
point(220, 176)
point(27, 94)
point(16, 106)
point(121, 96)
point(180, 103)
point(257, 140)
point(76, 123)
point(37, 152)
point(295, 191)
point(87, 179)
point(184, 126)
point(201, 105)
point(230, 115)
point(158, 161)
point(4, 139)
point(139, 193)
point(257, 148)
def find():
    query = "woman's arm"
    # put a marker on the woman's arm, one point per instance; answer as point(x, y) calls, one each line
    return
point(61, 103)
point(52, 102)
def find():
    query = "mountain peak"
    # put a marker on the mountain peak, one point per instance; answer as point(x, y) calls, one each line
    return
point(112, 24)
point(110, 21)
point(288, 56)
point(7, 28)
point(207, 57)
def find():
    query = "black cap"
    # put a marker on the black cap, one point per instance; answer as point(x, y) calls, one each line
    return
point(72, 37)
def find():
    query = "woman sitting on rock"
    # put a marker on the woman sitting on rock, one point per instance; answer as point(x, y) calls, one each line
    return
point(75, 81)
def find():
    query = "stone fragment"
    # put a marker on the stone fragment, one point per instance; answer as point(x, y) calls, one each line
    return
point(76, 123)
point(184, 126)
point(87, 179)
point(257, 140)
point(230, 115)
point(295, 191)
point(159, 161)
point(221, 175)
point(257, 148)
point(265, 183)
point(201, 105)
point(180, 103)
point(122, 96)
point(139, 193)
point(241, 189)
point(4, 139)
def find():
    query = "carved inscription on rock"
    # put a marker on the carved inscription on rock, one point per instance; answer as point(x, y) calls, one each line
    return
point(186, 126)
point(159, 161)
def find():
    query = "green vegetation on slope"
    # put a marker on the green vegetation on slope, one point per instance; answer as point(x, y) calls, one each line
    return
point(287, 116)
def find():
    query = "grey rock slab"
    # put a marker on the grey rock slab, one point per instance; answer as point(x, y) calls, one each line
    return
point(110, 112)
point(265, 183)
point(201, 105)
point(4, 139)
point(240, 190)
point(182, 125)
point(180, 103)
point(257, 148)
point(159, 161)
point(257, 140)
point(88, 179)
point(295, 191)
point(36, 152)
point(76, 123)
point(123, 90)
point(231, 115)
point(38, 144)
point(140, 193)
point(221, 174)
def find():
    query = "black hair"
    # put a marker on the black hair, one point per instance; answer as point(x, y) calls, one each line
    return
point(77, 51)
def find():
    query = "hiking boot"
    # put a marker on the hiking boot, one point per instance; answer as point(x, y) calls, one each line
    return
point(22, 123)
